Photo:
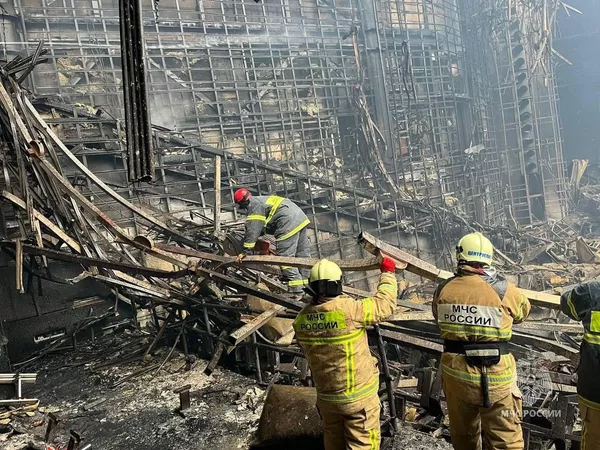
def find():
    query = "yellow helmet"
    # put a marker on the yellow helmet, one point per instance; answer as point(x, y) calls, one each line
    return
point(475, 247)
point(325, 279)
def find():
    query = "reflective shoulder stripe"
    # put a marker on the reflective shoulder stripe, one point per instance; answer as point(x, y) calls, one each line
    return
point(519, 314)
point(368, 308)
point(388, 287)
point(273, 201)
point(328, 340)
point(593, 339)
point(294, 283)
point(259, 217)
point(294, 231)
point(249, 244)
point(571, 305)
point(344, 397)
point(589, 403)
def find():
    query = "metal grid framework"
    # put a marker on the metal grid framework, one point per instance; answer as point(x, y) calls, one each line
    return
point(272, 87)
point(528, 130)
point(437, 104)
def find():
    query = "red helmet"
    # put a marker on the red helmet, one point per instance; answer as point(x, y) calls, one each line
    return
point(241, 195)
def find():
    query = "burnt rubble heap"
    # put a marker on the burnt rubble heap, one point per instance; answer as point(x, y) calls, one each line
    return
point(179, 306)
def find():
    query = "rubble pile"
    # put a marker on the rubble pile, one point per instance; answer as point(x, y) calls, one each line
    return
point(188, 297)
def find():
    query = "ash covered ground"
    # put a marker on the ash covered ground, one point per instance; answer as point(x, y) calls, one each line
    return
point(142, 413)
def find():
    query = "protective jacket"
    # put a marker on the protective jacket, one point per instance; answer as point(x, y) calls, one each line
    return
point(273, 215)
point(333, 337)
point(583, 304)
point(478, 306)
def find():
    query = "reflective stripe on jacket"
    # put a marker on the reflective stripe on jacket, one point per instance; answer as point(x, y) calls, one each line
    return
point(274, 215)
point(475, 308)
point(334, 340)
point(583, 304)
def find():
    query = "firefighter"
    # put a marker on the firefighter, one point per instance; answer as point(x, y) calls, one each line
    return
point(332, 333)
point(282, 218)
point(475, 311)
point(583, 304)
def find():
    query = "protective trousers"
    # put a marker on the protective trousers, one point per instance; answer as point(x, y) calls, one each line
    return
point(351, 426)
point(590, 434)
point(298, 246)
point(501, 423)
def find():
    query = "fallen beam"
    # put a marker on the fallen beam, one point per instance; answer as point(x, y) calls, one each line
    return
point(249, 289)
point(550, 327)
point(210, 368)
point(422, 268)
point(347, 265)
point(546, 344)
point(396, 337)
point(93, 209)
point(45, 221)
point(411, 316)
point(94, 262)
point(242, 333)
point(407, 383)
point(94, 179)
point(413, 264)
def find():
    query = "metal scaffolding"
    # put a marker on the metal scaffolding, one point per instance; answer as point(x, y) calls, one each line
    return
point(381, 115)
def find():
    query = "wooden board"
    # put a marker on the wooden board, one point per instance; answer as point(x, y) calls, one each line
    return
point(419, 267)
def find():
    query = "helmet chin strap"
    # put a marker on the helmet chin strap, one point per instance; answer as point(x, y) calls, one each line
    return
point(312, 293)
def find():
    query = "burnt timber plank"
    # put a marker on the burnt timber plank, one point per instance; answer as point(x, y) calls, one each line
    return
point(242, 333)
point(419, 267)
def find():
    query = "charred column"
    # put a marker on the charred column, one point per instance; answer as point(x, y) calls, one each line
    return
point(140, 157)
point(526, 121)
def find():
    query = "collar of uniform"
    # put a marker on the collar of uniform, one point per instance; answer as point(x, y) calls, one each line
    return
point(489, 274)
point(322, 300)
point(465, 270)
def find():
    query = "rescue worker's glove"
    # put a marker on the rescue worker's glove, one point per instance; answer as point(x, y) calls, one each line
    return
point(238, 258)
point(387, 265)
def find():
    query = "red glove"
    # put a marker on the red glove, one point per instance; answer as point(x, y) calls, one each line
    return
point(387, 265)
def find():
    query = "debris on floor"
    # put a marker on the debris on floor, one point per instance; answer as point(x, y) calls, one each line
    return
point(206, 337)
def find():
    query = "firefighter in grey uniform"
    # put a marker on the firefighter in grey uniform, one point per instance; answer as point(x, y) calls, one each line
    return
point(278, 216)
point(583, 304)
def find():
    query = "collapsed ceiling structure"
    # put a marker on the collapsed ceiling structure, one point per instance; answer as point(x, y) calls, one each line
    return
point(411, 121)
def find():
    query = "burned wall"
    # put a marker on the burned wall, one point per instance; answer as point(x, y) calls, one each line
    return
point(277, 89)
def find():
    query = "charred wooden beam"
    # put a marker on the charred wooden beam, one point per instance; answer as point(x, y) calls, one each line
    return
point(54, 140)
point(216, 355)
point(95, 262)
point(242, 333)
point(45, 221)
point(347, 265)
point(241, 286)
point(396, 337)
point(422, 268)
point(547, 344)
